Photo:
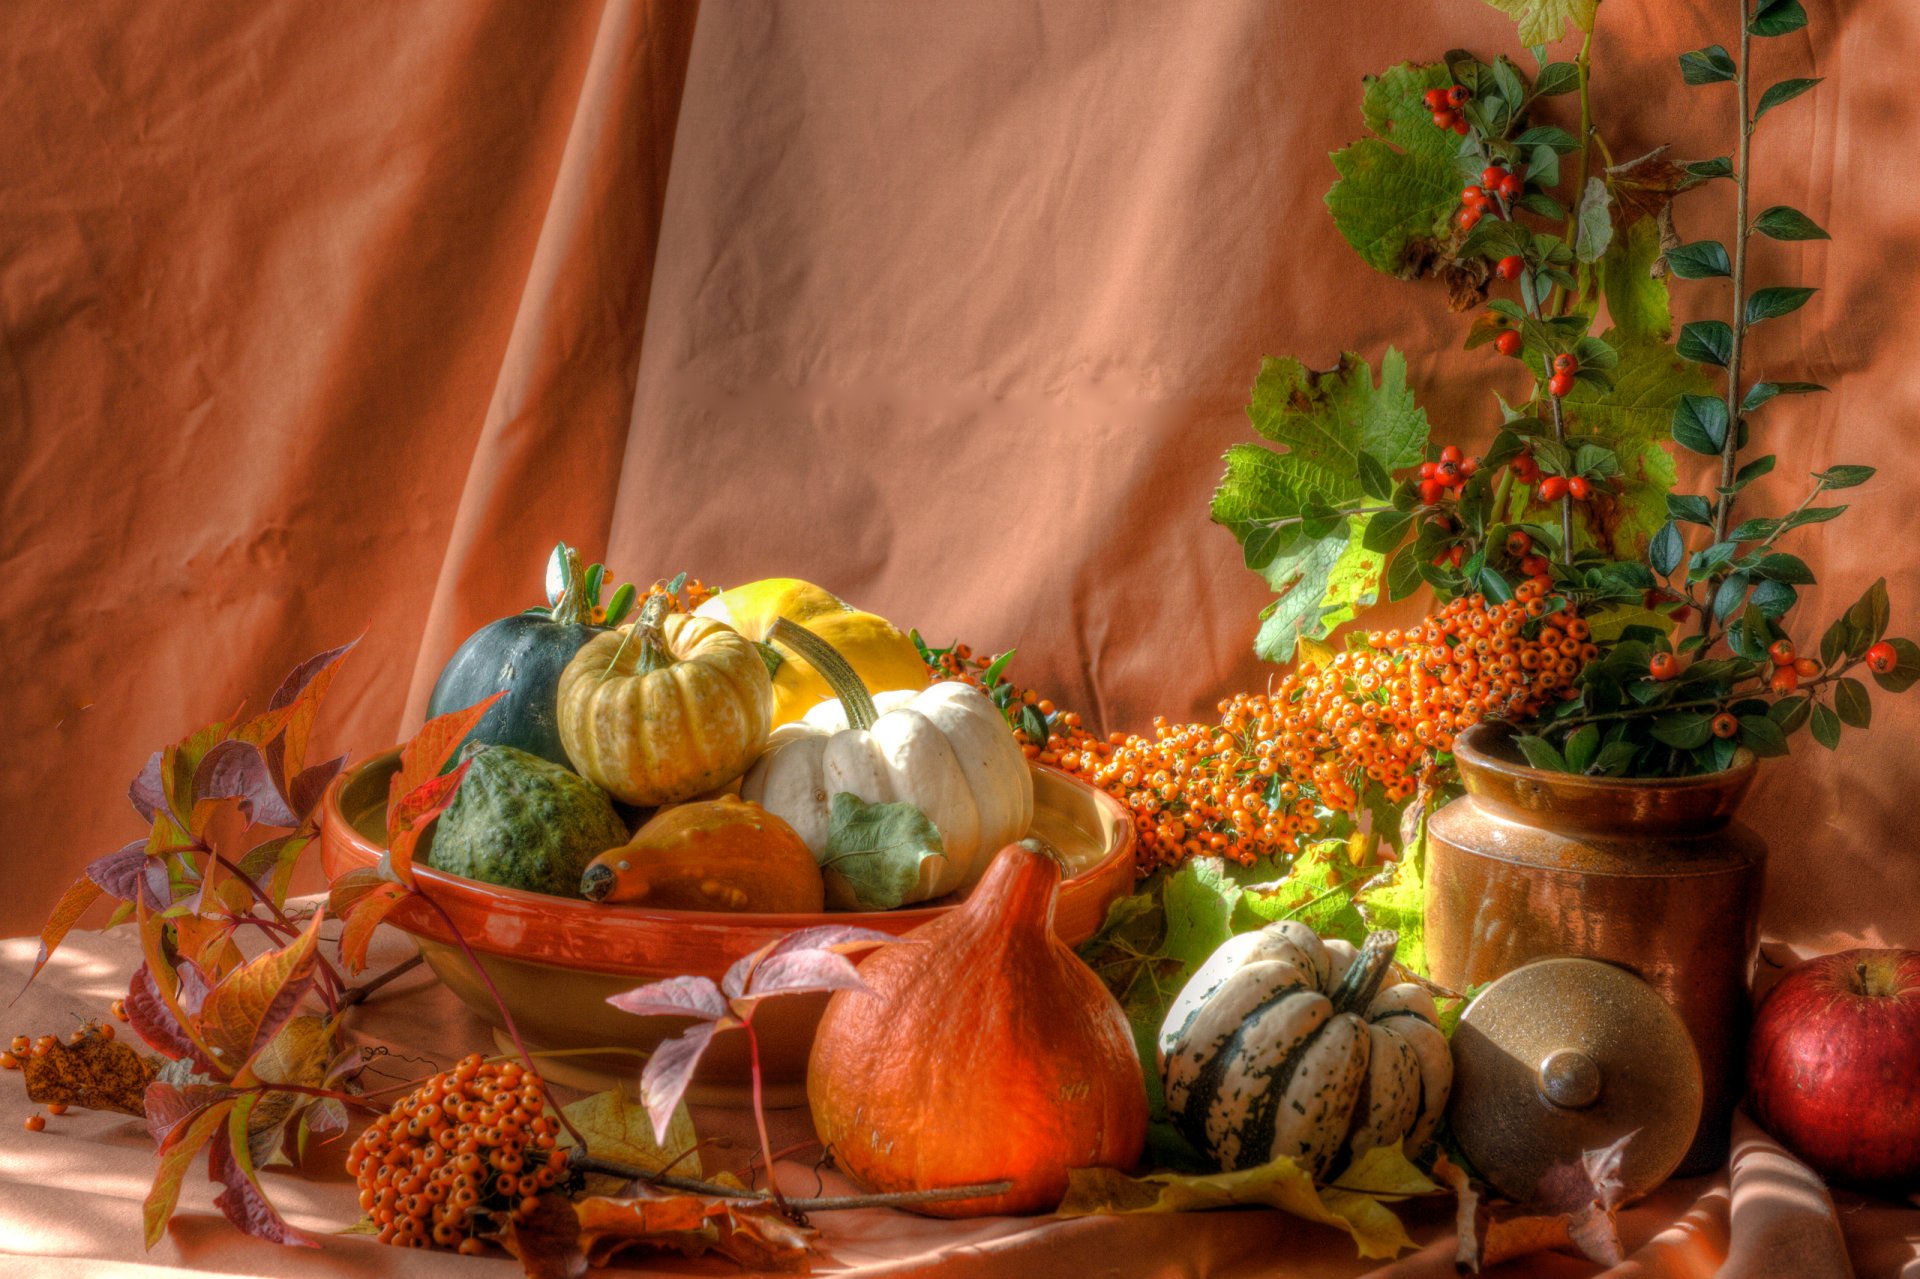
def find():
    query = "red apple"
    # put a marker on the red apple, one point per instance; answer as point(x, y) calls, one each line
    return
point(1833, 1070)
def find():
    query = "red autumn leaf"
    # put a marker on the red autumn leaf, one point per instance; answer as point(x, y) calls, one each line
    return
point(365, 915)
point(243, 1202)
point(159, 1021)
point(248, 1007)
point(146, 792)
point(407, 821)
point(311, 782)
point(173, 1167)
point(66, 913)
point(172, 1107)
point(675, 997)
point(831, 940)
point(303, 690)
point(275, 859)
point(422, 758)
point(753, 1235)
point(179, 763)
point(237, 770)
point(124, 874)
point(669, 1070)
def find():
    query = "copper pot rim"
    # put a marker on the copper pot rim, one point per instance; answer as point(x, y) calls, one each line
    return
point(1470, 750)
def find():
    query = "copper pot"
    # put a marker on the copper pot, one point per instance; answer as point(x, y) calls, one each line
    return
point(1651, 874)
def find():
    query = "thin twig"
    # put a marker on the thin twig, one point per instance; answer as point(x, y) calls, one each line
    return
point(361, 992)
point(1730, 448)
point(827, 1203)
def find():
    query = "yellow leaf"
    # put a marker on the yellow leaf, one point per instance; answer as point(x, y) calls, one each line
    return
point(1311, 652)
point(617, 1128)
point(1353, 1203)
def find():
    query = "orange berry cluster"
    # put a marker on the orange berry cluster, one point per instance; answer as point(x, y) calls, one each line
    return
point(693, 593)
point(1369, 724)
point(472, 1139)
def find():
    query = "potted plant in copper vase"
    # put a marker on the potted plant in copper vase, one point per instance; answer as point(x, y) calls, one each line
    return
point(1611, 656)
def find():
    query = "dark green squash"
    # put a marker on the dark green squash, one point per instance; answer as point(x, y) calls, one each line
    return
point(523, 822)
point(524, 655)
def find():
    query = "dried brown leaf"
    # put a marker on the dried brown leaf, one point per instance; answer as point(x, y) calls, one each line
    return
point(547, 1243)
point(97, 1073)
point(754, 1235)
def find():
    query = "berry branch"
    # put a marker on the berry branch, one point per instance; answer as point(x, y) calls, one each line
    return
point(1730, 452)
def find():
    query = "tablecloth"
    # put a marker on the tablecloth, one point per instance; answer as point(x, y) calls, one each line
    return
point(70, 1196)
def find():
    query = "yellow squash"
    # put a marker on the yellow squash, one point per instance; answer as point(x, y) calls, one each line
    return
point(665, 709)
point(884, 657)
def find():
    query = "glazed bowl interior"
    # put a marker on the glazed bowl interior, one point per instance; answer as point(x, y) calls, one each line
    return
point(555, 960)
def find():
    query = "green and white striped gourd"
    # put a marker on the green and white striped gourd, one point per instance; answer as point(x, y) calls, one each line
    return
point(1284, 1044)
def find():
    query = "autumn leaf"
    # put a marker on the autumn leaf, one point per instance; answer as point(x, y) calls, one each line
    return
point(97, 1073)
point(617, 1129)
point(174, 1162)
point(248, 1008)
point(297, 1055)
point(363, 898)
point(428, 751)
point(66, 913)
point(754, 1235)
point(547, 1242)
point(408, 820)
point(230, 1165)
point(301, 694)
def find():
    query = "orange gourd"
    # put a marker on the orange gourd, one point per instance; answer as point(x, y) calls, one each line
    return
point(723, 854)
point(985, 1051)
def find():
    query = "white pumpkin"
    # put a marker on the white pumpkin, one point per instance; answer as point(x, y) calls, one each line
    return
point(946, 749)
point(1280, 1037)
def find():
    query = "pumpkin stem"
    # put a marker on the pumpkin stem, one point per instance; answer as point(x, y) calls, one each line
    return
point(574, 605)
point(835, 669)
point(654, 654)
point(1370, 968)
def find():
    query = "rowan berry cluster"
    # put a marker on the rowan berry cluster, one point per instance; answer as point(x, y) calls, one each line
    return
point(473, 1139)
point(1447, 476)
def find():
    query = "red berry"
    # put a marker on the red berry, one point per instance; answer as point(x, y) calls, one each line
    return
point(1510, 267)
point(1781, 652)
point(1544, 582)
point(1553, 488)
point(1429, 469)
point(35, 1123)
point(1565, 363)
point(1467, 219)
point(1806, 668)
point(1491, 176)
point(1664, 666)
point(1436, 99)
point(1509, 342)
point(1534, 565)
point(1456, 555)
point(1458, 96)
point(1511, 187)
point(1725, 725)
point(1681, 614)
point(1881, 658)
point(1468, 467)
point(1579, 489)
point(1473, 195)
point(1525, 467)
point(1460, 125)
point(1784, 679)
point(1431, 491)
point(1451, 453)
point(1519, 543)
point(1444, 119)
point(1559, 384)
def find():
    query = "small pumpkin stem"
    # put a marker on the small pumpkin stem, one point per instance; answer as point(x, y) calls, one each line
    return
point(839, 674)
point(1370, 968)
point(654, 654)
point(574, 606)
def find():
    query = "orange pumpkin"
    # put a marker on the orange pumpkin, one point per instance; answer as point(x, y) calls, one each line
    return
point(723, 854)
point(986, 1051)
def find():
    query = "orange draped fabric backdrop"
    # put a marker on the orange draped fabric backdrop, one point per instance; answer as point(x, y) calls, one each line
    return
point(321, 318)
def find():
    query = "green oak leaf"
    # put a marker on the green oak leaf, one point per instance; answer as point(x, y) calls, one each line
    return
point(1398, 190)
point(1634, 416)
point(1327, 421)
point(874, 852)
point(1545, 21)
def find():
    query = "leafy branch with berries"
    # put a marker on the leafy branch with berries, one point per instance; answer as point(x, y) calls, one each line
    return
point(1477, 175)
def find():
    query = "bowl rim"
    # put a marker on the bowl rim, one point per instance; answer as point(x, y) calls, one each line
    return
point(477, 892)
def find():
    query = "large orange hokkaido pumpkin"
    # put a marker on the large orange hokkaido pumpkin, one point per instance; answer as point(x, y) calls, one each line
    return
point(985, 1051)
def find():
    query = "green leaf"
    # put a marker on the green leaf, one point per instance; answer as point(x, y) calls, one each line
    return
point(1327, 421)
point(1811, 515)
point(1760, 392)
point(1769, 303)
point(1754, 470)
point(1791, 712)
point(1755, 529)
point(1778, 566)
point(1403, 574)
point(1869, 615)
point(621, 604)
point(1583, 746)
point(1706, 341)
point(1555, 79)
point(1906, 667)
point(1374, 480)
point(1721, 166)
point(1541, 753)
point(1826, 726)
point(1595, 227)
point(1547, 21)
point(1851, 702)
point(1700, 260)
point(1785, 91)
point(1690, 508)
point(1777, 18)
point(1685, 730)
point(875, 853)
point(1386, 530)
point(1844, 477)
point(1398, 190)
point(1783, 223)
point(1546, 135)
point(1666, 549)
point(1707, 66)
point(1700, 424)
point(1774, 599)
point(1730, 595)
point(1762, 735)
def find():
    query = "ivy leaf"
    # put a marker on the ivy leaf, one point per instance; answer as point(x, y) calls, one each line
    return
point(876, 854)
point(1783, 223)
point(1777, 18)
point(1398, 190)
point(1700, 260)
point(1706, 342)
point(246, 1010)
point(1595, 227)
point(618, 1129)
point(1769, 303)
point(174, 1163)
point(1785, 91)
point(1707, 66)
point(1546, 21)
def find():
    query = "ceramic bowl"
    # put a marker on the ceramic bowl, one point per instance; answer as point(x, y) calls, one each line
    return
point(555, 960)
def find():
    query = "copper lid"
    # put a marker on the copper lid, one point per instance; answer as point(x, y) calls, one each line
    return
point(1563, 1056)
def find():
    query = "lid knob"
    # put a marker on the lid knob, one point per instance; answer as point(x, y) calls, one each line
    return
point(1569, 1079)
